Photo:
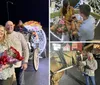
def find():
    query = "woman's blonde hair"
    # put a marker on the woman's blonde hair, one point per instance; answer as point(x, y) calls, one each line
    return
point(5, 33)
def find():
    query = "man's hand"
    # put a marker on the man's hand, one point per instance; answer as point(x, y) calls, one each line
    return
point(24, 66)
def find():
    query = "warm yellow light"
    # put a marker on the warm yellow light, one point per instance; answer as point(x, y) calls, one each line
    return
point(97, 46)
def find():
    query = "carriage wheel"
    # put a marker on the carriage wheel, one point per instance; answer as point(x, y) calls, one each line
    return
point(35, 59)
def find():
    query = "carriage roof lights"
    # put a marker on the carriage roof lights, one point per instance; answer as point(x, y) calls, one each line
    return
point(35, 26)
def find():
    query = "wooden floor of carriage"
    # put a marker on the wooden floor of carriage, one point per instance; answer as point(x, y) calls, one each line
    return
point(41, 76)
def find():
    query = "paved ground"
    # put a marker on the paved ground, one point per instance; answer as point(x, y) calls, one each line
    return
point(74, 77)
point(41, 76)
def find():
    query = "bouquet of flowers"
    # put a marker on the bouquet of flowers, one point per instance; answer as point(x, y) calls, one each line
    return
point(32, 26)
point(60, 27)
point(10, 56)
point(35, 37)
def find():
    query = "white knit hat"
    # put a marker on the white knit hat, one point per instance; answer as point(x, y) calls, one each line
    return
point(90, 55)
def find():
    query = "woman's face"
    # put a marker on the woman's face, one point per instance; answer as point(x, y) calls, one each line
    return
point(90, 58)
point(68, 5)
point(1, 33)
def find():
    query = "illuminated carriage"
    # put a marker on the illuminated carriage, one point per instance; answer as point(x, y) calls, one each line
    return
point(55, 15)
point(36, 39)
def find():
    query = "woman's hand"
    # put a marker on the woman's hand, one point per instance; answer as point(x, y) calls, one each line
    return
point(80, 21)
point(74, 33)
point(3, 67)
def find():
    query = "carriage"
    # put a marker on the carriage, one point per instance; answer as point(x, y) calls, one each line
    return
point(36, 40)
point(55, 16)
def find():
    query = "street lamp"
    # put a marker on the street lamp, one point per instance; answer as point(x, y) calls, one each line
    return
point(7, 8)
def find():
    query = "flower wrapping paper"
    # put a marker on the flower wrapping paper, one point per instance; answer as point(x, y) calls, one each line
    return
point(10, 56)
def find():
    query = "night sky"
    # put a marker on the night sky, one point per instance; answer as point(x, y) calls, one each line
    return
point(25, 10)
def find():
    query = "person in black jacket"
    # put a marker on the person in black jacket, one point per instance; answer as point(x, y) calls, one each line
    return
point(20, 27)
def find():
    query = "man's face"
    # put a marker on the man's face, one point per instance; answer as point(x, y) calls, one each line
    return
point(9, 27)
point(81, 14)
